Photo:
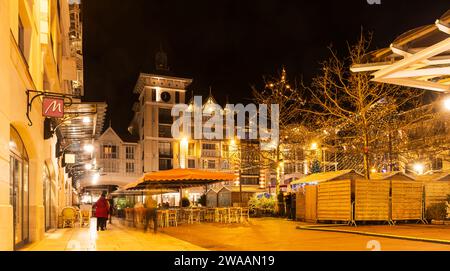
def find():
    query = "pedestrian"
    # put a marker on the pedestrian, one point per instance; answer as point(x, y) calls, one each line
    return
point(150, 213)
point(111, 208)
point(101, 211)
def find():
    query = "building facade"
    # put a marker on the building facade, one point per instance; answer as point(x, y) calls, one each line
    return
point(36, 63)
point(119, 162)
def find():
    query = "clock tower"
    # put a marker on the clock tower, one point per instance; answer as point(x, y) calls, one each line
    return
point(158, 93)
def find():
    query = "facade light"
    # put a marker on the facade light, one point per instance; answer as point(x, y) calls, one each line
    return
point(95, 178)
point(86, 120)
point(88, 148)
point(447, 103)
point(419, 168)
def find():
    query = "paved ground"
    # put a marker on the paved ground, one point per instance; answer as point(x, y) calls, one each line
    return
point(279, 234)
point(117, 237)
point(258, 234)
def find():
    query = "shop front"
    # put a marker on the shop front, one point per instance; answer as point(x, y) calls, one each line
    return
point(19, 188)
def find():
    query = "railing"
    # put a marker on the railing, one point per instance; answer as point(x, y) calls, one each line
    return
point(210, 153)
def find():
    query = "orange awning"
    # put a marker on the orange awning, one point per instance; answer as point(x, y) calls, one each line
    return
point(175, 178)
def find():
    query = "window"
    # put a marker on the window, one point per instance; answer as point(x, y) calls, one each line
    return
point(208, 146)
point(21, 37)
point(177, 97)
point(153, 94)
point(129, 167)
point(165, 131)
point(191, 163)
point(165, 149)
point(191, 149)
point(209, 164)
point(225, 165)
point(109, 151)
point(165, 164)
point(129, 152)
point(165, 116)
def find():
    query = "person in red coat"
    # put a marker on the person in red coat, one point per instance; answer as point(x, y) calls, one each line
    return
point(101, 211)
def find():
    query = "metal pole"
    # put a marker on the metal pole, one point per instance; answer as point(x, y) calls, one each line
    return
point(240, 189)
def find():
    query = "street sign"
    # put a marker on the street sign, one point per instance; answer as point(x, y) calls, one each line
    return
point(69, 158)
point(53, 107)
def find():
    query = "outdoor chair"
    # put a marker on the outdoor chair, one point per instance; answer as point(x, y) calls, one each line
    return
point(85, 215)
point(69, 216)
point(129, 216)
point(234, 215)
point(245, 214)
point(162, 218)
point(172, 218)
point(139, 216)
point(224, 215)
point(85, 218)
point(211, 215)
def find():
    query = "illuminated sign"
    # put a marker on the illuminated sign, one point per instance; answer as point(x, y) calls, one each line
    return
point(53, 107)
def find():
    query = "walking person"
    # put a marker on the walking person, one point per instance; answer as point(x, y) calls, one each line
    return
point(111, 208)
point(101, 211)
point(150, 213)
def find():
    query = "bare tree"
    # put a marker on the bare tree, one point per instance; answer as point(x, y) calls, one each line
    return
point(279, 91)
point(357, 107)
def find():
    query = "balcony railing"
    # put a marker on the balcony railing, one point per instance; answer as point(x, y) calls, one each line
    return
point(117, 167)
point(210, 153)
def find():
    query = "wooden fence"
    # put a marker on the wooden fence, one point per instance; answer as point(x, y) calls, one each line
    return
point(306, 201)
point(436, 192)
point(407, 198)
point(372, 200)
point(334, 201)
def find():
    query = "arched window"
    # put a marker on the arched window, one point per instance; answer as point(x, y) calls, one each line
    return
point(19, 195)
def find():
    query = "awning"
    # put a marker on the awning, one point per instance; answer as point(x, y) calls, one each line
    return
point(176, 178)
point(419, 58)
point(81, 124)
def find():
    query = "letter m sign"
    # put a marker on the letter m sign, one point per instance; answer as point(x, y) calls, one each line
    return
point(53, 107)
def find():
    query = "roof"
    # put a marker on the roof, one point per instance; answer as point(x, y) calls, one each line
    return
point(245, 188)
point(142, 81)
point(325, 176)
point(175, 178)
point(418, 58)
point(128, 138)
point(388, 175)
point(436, 176)
point(83, 124)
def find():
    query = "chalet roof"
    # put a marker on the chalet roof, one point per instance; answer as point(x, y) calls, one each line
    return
point(388, 175)
point(245, 189)
point(436, 176)
point(325, 176)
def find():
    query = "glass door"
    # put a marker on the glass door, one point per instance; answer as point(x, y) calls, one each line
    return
point(19, 196)
point(47, 198)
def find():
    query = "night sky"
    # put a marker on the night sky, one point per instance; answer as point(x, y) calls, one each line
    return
point(228, 45)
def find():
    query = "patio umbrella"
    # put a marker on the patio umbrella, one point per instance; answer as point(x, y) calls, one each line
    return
point(178, 178)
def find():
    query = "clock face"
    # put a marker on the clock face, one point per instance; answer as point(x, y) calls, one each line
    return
point(165, 96)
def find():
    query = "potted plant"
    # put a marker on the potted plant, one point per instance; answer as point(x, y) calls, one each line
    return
point(185, 202)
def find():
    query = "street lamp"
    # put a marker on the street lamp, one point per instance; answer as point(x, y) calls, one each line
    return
point(419, 168)
point(95, 178)
point(86, 120)
point(447, 103)
point(88, 148)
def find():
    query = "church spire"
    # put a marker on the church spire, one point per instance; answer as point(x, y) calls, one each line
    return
point(161, 60)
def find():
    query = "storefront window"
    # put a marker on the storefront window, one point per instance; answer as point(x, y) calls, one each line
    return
point(19, 196)
point(47, 198)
